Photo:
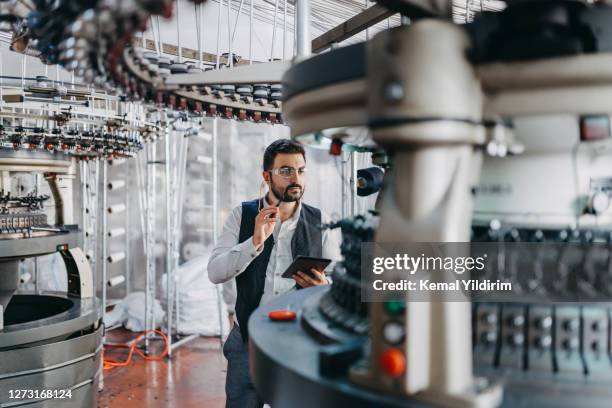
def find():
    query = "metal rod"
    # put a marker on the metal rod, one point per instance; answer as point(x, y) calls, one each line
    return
point(304, 42)
point(215, 215)
point(178, 31)
point(150, 256)
point(183, 341)
point(274, 30)
point(219, 34)
point(198, 15)
point(353, 183)
point(128, 251)
point(169, 237)
point(251, 33)
point(103, 230)
point(235, 28)
point(284, 29)
point(368, 28)
point(229, 34)
point(182, 167)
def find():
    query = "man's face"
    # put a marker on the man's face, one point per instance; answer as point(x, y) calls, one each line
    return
point(287, 188)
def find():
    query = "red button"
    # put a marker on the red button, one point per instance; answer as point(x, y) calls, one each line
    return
point(393, 362)
point(282, 315)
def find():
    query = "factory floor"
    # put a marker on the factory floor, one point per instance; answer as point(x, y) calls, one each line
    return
point(194, 377)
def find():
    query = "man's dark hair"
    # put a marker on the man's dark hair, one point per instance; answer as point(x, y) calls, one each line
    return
point(284, 146)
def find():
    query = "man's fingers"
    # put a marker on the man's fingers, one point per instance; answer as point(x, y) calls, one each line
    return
point(320, 275)
point(269, 211)
point(299, 281)
point(307, 278)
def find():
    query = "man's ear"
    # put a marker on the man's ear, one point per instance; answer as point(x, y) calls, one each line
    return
point(266, 176)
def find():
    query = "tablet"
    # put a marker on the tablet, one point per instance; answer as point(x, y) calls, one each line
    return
point(304, 264)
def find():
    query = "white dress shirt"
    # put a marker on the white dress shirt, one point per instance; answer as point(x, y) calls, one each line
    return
point(230, 258)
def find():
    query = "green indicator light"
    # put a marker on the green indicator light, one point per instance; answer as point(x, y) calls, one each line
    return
point(395, 307)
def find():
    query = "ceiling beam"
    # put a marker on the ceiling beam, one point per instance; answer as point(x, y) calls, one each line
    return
point(354, 25)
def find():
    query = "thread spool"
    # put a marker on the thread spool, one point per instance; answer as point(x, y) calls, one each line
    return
point(115, 281)
point(116, 257)
point(116, 184)
point(116, 232)
point(116, 209)
point(203, 159)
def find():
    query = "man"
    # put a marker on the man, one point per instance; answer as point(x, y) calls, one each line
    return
point(259, 241)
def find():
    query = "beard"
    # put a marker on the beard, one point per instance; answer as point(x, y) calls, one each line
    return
point(284, 195)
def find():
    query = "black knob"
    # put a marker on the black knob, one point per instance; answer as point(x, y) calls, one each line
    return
point(489, 337)
point(516, 339)
point(570, 344)
point(571, 325)
point(489, 318)
point(597, 326)
point(516, 320)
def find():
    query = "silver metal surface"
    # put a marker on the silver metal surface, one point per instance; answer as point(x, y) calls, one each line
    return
point(61, 365)
point(37, 246)
point(269, 72)
point(82, 314)
point(304, 42)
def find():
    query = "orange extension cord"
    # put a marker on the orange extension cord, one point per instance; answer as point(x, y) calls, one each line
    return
point(110, 364)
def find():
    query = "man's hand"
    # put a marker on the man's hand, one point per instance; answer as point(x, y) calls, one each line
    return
point(264, 225)
point(306, 281)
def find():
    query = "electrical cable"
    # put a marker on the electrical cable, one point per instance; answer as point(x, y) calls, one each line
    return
point(109, 364)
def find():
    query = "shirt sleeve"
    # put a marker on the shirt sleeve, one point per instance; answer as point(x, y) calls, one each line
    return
point(331, 245)
point(228, 293)
point(230, 258)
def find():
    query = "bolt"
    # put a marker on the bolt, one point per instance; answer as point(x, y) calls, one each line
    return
point(394, 92)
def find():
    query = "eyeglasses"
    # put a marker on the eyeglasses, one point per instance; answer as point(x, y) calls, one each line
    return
point(288, 172)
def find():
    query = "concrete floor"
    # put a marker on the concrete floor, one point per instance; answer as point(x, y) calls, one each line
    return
point(194, 377)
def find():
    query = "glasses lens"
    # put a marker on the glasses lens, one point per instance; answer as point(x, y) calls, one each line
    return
point(285, 172)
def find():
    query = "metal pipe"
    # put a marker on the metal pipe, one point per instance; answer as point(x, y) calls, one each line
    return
point(103, 232)
point(128, 252)
point(169, 204)
point(215, 215)
point(151, 268)
point(304, 42)
point(183, 143)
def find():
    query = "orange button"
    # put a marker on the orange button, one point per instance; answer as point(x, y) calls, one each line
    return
point(393, 362)
point(282, 315)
